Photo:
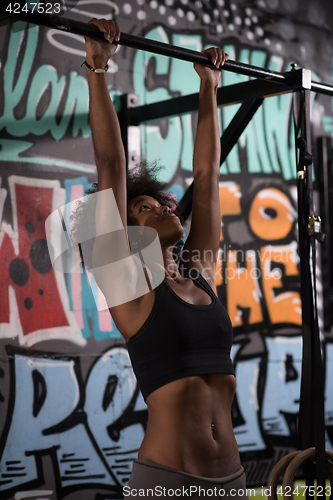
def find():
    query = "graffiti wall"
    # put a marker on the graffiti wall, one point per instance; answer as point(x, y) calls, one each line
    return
point(71, 415)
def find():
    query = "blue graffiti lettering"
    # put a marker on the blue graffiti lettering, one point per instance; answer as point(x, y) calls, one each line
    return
point(248, 435)
point(282, 387)
point(90, 443)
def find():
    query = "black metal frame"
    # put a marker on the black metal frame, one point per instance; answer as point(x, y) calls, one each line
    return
point(325, 179)
point(251, 95)
point(140, 43)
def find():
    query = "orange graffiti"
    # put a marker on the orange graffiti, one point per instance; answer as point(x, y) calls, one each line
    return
point(283, 307)
point(219, 269)
point(242, 288)
point(229, 193)
point(265, 225)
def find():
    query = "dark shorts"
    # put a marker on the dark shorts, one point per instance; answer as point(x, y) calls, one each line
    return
point(153, 481)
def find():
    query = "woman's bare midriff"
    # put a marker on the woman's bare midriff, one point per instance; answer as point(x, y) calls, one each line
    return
point(189, 426)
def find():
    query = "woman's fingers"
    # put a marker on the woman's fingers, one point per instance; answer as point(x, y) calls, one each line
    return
point(117, 32)
point(218, 56)
point(113, 31)
point(222, 57)
point(109, 28)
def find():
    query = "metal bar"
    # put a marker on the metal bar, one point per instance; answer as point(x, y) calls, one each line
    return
point(84, 29)
point(330, 153)
point(311, 417)
point(123, 118)
point(306, 132)
point(140, 43)
point(322, 88)
point(231, 94)
point(238, 124)
point(184, 206)
point(72, 26)
point(305, 423)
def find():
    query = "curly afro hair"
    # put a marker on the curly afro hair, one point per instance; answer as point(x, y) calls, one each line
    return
point(140, 180)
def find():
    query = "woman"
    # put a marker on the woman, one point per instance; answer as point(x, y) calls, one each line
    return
point(178, 334)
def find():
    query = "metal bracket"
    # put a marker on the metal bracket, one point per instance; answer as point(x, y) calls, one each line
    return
point(133, 135)
point(300, 76)
point(306, 78)
point(130, 134)
point(314, 225)
point(134, 146)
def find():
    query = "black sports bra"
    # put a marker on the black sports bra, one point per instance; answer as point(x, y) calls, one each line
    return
point(179, 339)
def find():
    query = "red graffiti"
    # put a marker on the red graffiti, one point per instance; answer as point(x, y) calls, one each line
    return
point(30, 273)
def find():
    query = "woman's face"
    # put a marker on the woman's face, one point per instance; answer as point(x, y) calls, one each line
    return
point(146, 211)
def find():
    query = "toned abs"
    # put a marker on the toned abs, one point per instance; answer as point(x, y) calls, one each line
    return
point(190, 427)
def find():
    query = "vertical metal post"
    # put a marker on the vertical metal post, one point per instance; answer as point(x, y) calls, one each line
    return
point(130, 134)
point(325, 179)
point(311, 415)
point(124, 121)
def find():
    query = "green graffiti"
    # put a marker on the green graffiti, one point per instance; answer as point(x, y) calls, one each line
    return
point(13, 93)
point(154, 145)
point(53, 103)
point(328, 123)
point(183, 79)
point(268, 140)
point(11, 149)
point(73, 91)
point(232, 163)
point(254, 134)
point(280, 137)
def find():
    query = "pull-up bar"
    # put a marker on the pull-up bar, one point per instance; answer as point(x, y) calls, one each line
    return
point(71, 26)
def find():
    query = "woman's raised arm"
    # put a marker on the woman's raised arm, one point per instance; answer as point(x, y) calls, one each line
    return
point(119, 274)
point(204, 237)
point(108, 146)
point(111, 241)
